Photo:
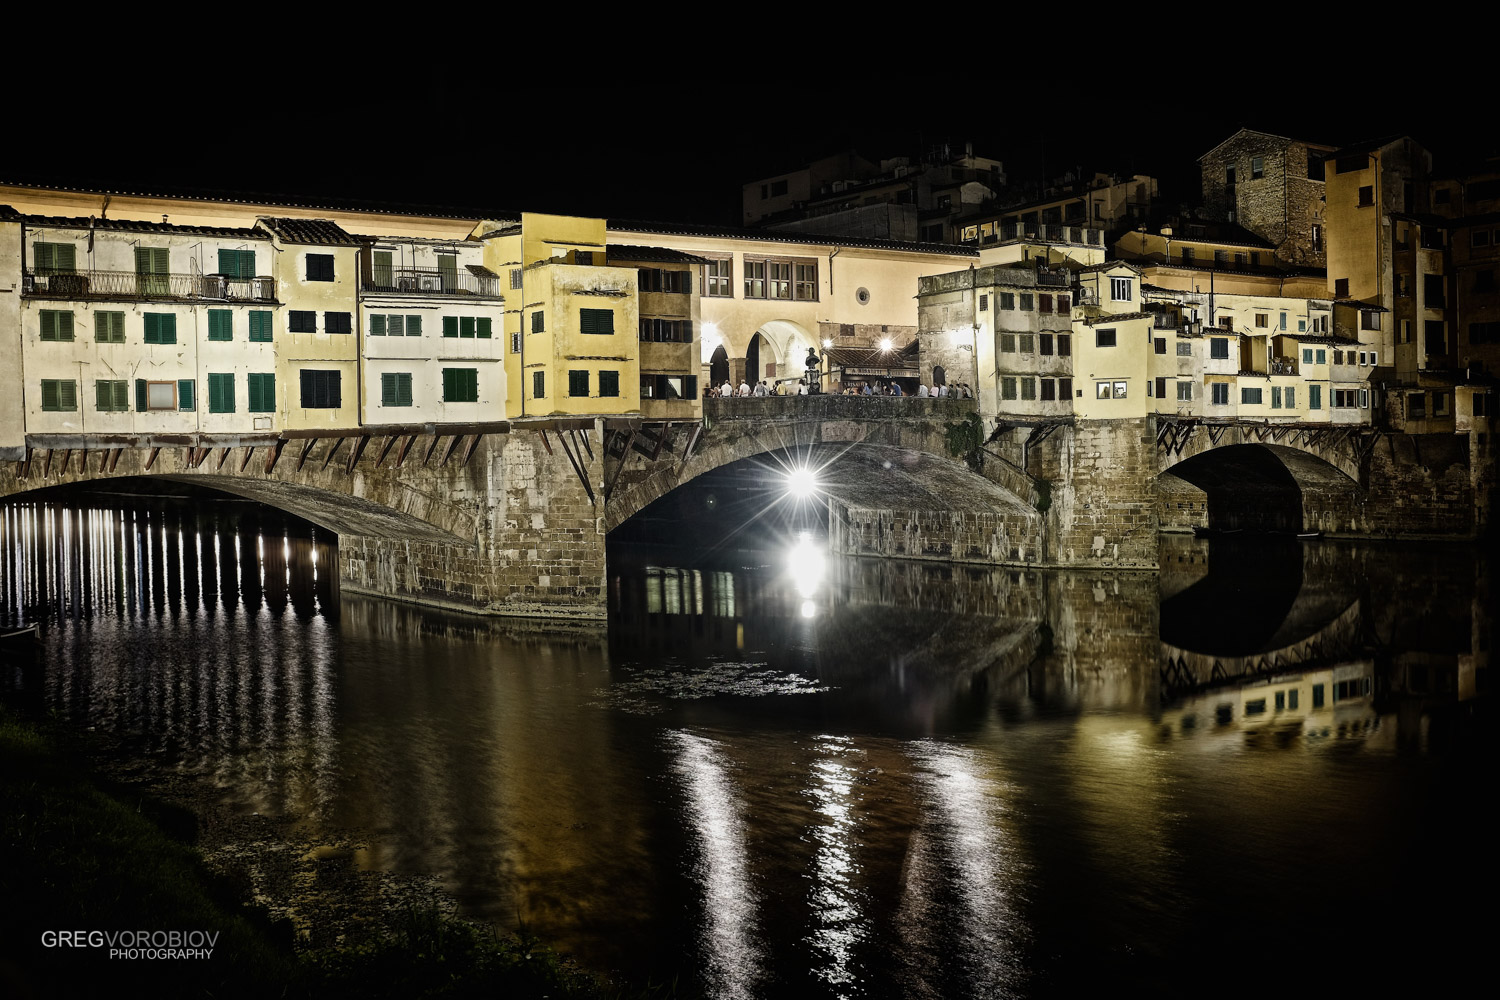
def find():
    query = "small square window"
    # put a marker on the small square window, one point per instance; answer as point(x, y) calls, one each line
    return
point(320, 267)
point(578, 383)
point(1104, 338)
point(301, 321)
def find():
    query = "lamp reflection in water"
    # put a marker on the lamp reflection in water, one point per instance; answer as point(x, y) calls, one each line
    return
point(807, 565)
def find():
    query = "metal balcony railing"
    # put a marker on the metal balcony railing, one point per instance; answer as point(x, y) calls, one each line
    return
point(431, 281)
point(160, 287)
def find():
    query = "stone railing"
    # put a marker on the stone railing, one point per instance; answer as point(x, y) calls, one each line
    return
point(834, 407)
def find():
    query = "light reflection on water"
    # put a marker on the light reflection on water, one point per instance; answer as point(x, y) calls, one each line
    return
point(946, 782)
point(713, 814)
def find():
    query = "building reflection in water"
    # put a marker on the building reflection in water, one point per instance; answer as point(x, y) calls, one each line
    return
point(957, 780)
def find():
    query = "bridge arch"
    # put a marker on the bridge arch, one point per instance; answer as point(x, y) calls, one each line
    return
point(821, 426)
point(1343, 448)
point(369, 502)
point(1257, 487)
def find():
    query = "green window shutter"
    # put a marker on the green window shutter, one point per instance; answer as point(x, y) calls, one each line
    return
point(260, 326)
point(152, 323)
point(121, 393)
point(539, 385)
point(67, 394)
point(538, 324)
point(104, 395)
point(472, 378)
point(220, 324)
point(140, 394)
point(484, 328)
point(450, 326)
point(609, 383)
point(388, 389)
point(262, 386)
point(109, 327)
point(448, 382)
point(49, 325)
point(49, 394)
point(377, 325)
point(169, 328)
point(466, 327)
point(383, 271)
point(394, 325)
point(44, 254)
point(403, 395)
point(414, 326)
point(221, 393)
point(64, 326)
point(64, 258)
point(185, 399)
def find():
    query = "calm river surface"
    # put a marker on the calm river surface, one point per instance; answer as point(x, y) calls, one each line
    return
point(779, 773)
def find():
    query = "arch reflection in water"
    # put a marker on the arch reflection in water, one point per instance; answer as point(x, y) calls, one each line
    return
point(728, 940)
point(165, 628)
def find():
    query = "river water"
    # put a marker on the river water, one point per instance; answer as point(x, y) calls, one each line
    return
point(781, 773)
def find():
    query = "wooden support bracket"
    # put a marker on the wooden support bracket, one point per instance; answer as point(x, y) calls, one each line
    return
point(431, 446)
point(577, 468)
point(249, 451)
point(274, 454)
point(405, 446)
point(337, 444)
point(358, 450)
point(473, 443)
point(224, 457)
point(307, 447)
point(452, 443)
point(385, 449)
point(151, 458)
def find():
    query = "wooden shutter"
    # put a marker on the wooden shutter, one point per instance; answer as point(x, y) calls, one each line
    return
point(377, 325)
point(450, 326)
point(260, 325)
point(140, 394)
point(414, 326)
point(220, 324)
point(388, 389)
point(394, 325)
point(466, 327)
point(49, 394)
point(104, 395)
point(185, 399)
point(67, 394)
point(483, 324)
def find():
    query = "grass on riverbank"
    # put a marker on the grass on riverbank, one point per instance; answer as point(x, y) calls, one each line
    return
point(80, 854)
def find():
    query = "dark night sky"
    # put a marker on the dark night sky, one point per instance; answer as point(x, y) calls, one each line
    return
point(630, 163)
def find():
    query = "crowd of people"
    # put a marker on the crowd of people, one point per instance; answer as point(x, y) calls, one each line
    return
point(786, 387)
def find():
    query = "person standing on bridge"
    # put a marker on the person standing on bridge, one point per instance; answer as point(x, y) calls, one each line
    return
point(760, 388)
point(744, 389)
point(726, 390)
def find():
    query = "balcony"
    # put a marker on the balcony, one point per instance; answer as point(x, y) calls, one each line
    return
point(431, 281)
point(129, 286)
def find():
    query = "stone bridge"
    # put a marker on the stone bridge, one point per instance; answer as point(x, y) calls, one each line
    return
point(505, 516)
point(511, 516)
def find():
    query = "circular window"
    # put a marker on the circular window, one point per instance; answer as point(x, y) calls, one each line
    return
point(862, 296)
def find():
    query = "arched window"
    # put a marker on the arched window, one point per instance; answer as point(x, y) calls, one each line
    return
point(939, 377)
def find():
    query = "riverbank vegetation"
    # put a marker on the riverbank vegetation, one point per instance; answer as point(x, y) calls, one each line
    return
point(84, 854)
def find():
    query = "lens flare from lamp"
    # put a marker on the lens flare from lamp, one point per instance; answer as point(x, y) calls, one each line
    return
point(885, 344)
point(801, 482)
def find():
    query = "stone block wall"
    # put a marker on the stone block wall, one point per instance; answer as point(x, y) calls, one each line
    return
point(996, 537)
point(1103, 508)
point(539, 549)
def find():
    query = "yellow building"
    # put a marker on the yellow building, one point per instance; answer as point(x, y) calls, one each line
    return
point(318, 357)
point(1112, 344)
point(670, 327)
